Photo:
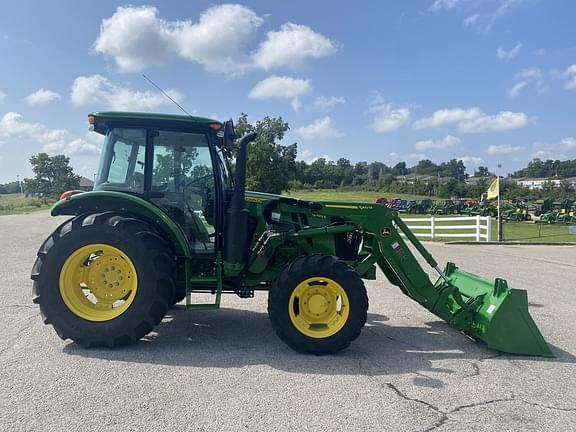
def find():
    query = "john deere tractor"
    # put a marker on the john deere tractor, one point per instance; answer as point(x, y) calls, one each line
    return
point(167, 220)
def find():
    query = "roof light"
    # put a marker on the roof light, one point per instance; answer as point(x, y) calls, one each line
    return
point(91, 123)
point(66, 195)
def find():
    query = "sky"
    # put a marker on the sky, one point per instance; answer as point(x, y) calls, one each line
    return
point(491, 82)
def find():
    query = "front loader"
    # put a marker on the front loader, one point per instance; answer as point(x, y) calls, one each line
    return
point(167, 220)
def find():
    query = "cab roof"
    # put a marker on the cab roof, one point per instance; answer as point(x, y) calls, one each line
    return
point(126, 115)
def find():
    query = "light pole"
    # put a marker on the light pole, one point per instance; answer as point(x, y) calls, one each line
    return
point(500, 233)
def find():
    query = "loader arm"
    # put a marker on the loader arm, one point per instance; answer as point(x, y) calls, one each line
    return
point(487, 311)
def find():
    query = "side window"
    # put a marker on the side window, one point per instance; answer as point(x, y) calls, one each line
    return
point(183, 179)
point(122, 165)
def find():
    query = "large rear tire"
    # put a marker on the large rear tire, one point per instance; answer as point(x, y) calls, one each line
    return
point(104, 279)
point(318, 305)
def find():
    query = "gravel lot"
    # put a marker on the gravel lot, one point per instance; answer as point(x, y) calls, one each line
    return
point(226, 370)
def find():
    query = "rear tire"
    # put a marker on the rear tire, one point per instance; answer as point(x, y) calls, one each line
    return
point(318, 305)
point(86, 299)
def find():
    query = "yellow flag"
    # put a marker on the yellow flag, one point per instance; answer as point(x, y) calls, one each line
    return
point(494, 189)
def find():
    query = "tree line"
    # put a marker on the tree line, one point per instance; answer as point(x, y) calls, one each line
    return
point(273, 168)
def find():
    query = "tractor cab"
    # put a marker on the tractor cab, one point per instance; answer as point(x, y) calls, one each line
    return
point(178, 163)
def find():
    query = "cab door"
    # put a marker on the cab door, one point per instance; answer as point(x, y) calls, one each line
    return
point(183, 184)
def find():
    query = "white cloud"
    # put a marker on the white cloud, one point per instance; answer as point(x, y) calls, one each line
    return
point(137, 38)
point(548, 154)
point(474, 161)
point(531, 73)
point(14, 129)
point(505, 7)
point(504, 149)
point(473, 120)
point(98, 91)
point(69, 148)
point(409, 156)
point(281, 87)
point(441, 144)
point(565, 148)
point(42, 97)
point(504, 120)
point(327, 104)
point(439, 5)
point(291, 46)
point(2, 96)
point(484, 21)
point(323, 128)
point(12, 126)
point(447, 116)
point(568, 143)
point(471, 20)
point(219, 39)
point(517, 88)
point(309, 157)
point(387, 117)
point(524, 78)
point(502, 54)
point(570, 73)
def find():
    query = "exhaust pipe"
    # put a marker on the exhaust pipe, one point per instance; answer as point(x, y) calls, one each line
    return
point(236, 223)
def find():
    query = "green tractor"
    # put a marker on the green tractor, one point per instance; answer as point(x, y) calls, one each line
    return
point(167, 220)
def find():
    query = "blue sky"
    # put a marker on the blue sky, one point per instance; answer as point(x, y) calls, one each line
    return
point(488, 81)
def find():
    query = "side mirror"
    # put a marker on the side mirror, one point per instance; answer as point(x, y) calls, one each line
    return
point(229, 135)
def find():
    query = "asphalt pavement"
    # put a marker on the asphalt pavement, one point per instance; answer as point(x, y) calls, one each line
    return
point(227, 371)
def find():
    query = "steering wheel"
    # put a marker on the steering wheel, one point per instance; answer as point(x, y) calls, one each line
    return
point(188, 183)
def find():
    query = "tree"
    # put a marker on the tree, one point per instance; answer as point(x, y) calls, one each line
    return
point(10, 188)
point(53, 175)
point(270, 166)
point(482, 171)
point(400, 169)
point(454, 168)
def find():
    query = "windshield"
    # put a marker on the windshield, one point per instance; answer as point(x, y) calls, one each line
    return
point(122, 162)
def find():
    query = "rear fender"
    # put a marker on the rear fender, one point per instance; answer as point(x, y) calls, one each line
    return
point(103, 201)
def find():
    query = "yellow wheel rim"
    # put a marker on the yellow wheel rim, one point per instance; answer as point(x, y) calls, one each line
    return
point(319, 307)
point(98, 282)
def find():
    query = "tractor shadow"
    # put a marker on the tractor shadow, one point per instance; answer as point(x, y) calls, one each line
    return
point(233, 338)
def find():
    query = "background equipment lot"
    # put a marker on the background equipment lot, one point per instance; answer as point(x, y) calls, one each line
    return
point(227, 371)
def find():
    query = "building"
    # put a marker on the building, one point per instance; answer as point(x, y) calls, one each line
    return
point(86, 184)
point(538, 183)
point(473, 181)
point(421, 178)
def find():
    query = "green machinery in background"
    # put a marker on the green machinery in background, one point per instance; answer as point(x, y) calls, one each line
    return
point(559, 212)
point(166, 220)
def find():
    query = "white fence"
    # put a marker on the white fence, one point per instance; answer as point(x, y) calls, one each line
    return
point(434, 227)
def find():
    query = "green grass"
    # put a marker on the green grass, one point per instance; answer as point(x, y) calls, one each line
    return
point(534, 233)
point(19, 203)
point(351, 196)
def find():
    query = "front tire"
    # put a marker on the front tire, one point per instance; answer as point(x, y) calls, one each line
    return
point(103, 279)
point(318, 305)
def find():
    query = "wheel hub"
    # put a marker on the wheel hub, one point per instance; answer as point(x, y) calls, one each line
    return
point(98, 282)
point(319, 307)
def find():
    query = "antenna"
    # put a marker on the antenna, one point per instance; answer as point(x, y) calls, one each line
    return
point(167, 95)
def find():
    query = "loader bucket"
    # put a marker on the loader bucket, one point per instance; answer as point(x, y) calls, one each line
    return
point(490, 312)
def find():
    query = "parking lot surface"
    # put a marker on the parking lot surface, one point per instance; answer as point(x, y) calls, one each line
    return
point(227, 371)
